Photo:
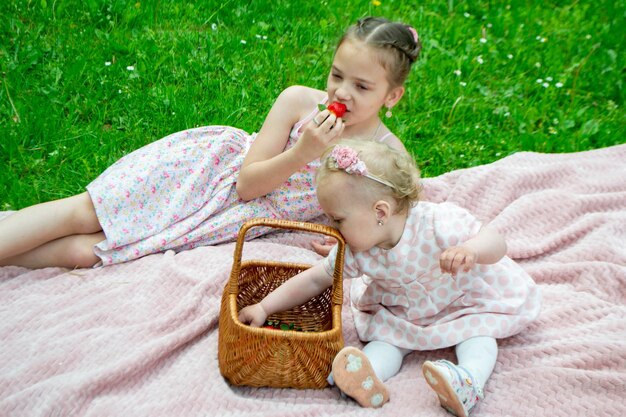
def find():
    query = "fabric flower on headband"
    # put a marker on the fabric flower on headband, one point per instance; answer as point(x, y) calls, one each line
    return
point(347, 159)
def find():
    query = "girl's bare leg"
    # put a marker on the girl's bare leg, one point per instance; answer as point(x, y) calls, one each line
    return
point(36, 225)
point(75, 251)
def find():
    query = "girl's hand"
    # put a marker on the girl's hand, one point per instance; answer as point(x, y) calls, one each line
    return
point(325, 247)
point(253, 315)
point(456, 258)
point(319, 134)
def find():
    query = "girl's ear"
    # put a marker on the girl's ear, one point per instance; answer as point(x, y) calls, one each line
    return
point(383, 211)
point(394, 96)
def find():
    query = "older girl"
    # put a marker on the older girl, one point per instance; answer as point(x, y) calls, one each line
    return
point(197, 187)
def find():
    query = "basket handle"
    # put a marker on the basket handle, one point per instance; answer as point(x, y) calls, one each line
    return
point(291, 225)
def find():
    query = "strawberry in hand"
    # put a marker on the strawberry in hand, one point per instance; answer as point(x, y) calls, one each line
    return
point(337, 108)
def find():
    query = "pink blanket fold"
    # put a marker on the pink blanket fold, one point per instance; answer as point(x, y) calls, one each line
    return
point(140, 339)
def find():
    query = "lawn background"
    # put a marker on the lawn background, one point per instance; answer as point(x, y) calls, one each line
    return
point(85, 82)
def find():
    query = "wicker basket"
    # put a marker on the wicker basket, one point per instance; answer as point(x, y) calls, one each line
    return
point(262, 357)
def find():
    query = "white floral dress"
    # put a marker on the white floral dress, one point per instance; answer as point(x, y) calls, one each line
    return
point(179, 193)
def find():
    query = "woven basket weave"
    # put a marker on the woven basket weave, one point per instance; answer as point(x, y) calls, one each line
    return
point(262, 357)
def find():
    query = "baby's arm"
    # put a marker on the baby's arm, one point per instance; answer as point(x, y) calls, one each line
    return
point(487, 247)
point(294, 292)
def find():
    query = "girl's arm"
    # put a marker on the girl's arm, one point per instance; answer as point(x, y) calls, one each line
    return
point(487, 247)
point(292, 293)
point(267, 165)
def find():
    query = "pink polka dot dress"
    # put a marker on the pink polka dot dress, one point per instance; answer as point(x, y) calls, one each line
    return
point(179, 193)
point(400, 296)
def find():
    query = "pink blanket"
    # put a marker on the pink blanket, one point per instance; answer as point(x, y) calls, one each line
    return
point(140, 339)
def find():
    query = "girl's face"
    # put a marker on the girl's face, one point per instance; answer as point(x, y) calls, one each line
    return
point(349, 212)
point(359, 81)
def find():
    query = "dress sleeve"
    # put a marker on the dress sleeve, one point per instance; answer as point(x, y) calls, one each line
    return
point(350, 266)
point(454, 225)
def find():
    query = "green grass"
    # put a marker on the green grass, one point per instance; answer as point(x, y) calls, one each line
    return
point(65, 114)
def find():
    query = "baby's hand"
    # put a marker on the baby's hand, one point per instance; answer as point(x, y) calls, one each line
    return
point(254, 315)
point(325, 247)
point(455, 258)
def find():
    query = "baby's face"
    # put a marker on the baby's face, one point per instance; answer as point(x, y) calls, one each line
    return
point(348, 210)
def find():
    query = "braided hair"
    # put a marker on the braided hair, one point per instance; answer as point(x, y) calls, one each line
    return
point(398, 43)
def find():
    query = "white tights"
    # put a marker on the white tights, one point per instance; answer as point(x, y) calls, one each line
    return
point(477, 355)
point(386, 359)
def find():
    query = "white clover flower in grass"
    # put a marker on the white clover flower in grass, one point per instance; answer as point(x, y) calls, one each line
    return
point(538, 64)
point(510, 56)
point(462, 83)
point(214, 26)
point(539, 80)
point(130, 68)
point(480, 60)
point(483, 40)
point(558, 85)
point(467, 14)
point(243, 42)
point(457, 72)
point(549, 79)
point(107, 64)
point(545, 85)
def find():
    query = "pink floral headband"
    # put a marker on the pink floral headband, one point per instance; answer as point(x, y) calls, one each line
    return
point(347, 159)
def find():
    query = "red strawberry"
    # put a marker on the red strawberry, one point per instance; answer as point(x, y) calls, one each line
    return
point(338, 108)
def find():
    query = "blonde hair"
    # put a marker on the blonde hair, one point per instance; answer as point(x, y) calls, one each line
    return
point(397, 168)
